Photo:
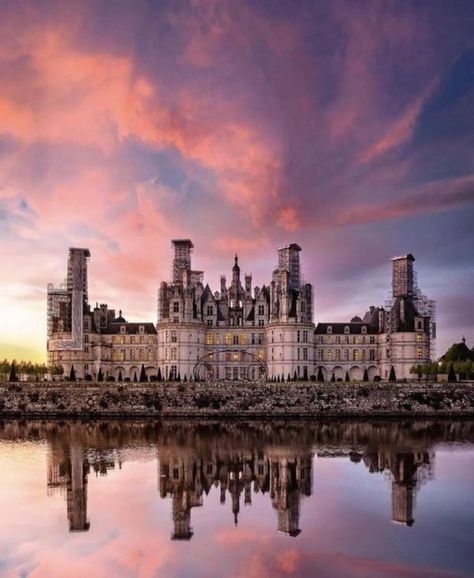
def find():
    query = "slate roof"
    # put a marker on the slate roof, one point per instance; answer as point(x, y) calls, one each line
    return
point(130, 328)
point(338, 328)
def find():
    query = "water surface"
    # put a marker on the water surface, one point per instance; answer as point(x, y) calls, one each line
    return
point(237, 499)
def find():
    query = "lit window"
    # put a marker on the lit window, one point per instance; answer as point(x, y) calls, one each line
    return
point(419, 336)
point(228, 338)
point(355, 354)
point(243, 339)
point(419, 352)
point(209, 339)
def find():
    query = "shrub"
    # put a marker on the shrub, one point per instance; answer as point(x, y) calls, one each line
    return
point(103, 403)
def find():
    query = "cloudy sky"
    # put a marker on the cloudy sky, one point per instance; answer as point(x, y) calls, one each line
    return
point(344, 126)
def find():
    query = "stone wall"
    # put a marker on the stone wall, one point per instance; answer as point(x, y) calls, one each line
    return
point(235, 400)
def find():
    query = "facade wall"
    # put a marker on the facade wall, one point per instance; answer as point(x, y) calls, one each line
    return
point(236, 333)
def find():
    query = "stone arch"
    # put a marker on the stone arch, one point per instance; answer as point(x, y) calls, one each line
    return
point(373, 371)
point(117, 369)
point(150, 371)
point(339, 372)
point(356, 373)
point(134, 369)
point(326, 373)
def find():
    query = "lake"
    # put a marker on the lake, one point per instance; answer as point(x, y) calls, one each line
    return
point(247, 499)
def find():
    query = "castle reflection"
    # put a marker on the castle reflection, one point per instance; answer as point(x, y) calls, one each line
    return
point(237, 460)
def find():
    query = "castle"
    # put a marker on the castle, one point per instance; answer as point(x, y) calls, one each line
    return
point(238, 332)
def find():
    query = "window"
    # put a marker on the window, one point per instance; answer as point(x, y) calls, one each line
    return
point(243, 339)
point(338, 339)
point(305, 337)
point(228, 339)
point(210, 322)
point(143, 356)
point(236, 356)
point(419, 336)
point(303, 307)
point(338, 354)
point(372, 339)
point(372, 355)
point(346, 329)
point(320, 354)
point(419, 352)
point(261, 309)
point(210, 310)
point(132, 339)
point(122, 329)
point(235, 340)
point(364, 329)
point(176, 307)
point(356, 339)
point(320, 339)
point(329, 329)
point(305, 354)
point(209, 339)
point(298, 336)
point(173, 353)
point(355, 355)
point(174, 337)
point(260, 354)
point(329, 354)
point(174, 372)
point(260, 338)
point(261, 322)
point(298, 354)
point(346, 355)
point(141, 329)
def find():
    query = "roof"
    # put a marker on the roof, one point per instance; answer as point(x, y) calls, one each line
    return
point(130, 328)
point(356, 319)
point(186, 242)
point(294, 246)
point(338, 328)
point(408, 256)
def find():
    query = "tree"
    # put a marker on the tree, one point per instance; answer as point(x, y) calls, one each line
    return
point(158, 375)
point(333, 377)
point(320, 376)
point(72, 374)
point(347, 378)
point(295, 376)
point(392, 376)
point(451, 373)
point(120, 375)
point(289, 377)
point(305, 373)
point(178, 377)
point(13, 376)
point(366, 375)
point(458, 352)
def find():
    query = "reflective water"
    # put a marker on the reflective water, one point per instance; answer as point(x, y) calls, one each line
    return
point(237, 499)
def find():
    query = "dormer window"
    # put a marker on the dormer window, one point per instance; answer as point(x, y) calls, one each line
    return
point(364, 329)
point(122, 329)
point(141, 329)
point(210, 310)
point(347, 329)
point(329, 329)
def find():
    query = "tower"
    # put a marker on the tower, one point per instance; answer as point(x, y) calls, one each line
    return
point(182, 258)
point(289, 260)
point(402, 276)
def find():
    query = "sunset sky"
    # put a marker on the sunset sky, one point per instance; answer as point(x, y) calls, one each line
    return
point(346, 127)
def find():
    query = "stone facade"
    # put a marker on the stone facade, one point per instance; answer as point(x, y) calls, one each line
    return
point(239, 333)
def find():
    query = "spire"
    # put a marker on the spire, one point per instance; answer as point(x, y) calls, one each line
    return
point(236, 271)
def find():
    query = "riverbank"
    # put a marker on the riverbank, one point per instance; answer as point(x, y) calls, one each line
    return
point(198, 400)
